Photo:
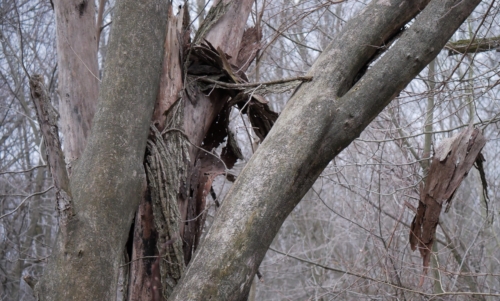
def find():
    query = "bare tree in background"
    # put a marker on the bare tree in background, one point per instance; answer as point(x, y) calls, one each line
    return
point(345, 240)
point(27, 220)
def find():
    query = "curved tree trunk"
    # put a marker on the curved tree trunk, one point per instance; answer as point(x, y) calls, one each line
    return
point(320, 120)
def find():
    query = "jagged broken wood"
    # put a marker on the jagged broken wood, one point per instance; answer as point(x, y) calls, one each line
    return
point(47, 119)
point(191, 112)
point(451, 163)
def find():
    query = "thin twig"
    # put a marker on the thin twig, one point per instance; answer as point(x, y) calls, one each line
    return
point(382, 281)
point(252, 85)
point(25, 199)
point(468, 46)
point(100, 14)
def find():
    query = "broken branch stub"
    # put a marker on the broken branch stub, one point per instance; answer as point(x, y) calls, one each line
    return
point(47, 118)
point(450, 165)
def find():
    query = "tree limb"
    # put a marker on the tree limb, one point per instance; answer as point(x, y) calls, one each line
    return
point(47, 118)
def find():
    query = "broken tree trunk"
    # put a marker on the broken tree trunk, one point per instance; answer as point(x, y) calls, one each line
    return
point(450, 165)
point(188, 122)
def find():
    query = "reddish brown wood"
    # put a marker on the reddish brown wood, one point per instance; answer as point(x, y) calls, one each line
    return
point(204, 113)
point(171, 81)
point(144, 254)
point(227, 33)
point(450, 165)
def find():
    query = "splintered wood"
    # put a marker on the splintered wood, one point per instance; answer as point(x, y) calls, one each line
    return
point(450, 165)
point(47, 119)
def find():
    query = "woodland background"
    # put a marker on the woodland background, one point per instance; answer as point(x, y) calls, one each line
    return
point(348, 238)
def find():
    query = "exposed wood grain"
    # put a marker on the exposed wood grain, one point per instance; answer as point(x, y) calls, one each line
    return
point(47, 119)
point(107, 183)
point(78, 72)
point(450, 165)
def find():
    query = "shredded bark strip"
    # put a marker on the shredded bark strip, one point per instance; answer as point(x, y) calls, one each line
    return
point(451, 163)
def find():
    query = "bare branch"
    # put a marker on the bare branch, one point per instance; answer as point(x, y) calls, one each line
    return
point(24, 200)
point(47, 118)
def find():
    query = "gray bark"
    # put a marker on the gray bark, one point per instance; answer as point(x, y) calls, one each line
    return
point(320, 120)
point(170, 160)
point(475, 46)
point(106, 184)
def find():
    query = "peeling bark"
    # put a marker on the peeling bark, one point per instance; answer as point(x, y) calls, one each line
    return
point(450, 165)
point(186, 117)
point(47, 118)
point(165, 170)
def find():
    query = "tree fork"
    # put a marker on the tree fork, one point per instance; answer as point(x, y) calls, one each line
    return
point(320, 120)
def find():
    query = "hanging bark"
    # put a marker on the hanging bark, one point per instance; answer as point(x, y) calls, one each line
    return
point(163, 173)
point(192, 113)
point(450, 165)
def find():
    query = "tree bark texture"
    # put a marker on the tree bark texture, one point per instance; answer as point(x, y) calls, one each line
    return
point(450, 165)
point(320, 120)
point(106, 183)
point(47, 118)
point(78, 84)
point(152, 228)
point(176, 168)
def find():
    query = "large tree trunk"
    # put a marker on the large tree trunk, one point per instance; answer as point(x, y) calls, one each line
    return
point(78, 83)
point(320, 120)
point(106, 183)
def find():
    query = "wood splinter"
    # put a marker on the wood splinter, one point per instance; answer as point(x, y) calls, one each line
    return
point(451, 163)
